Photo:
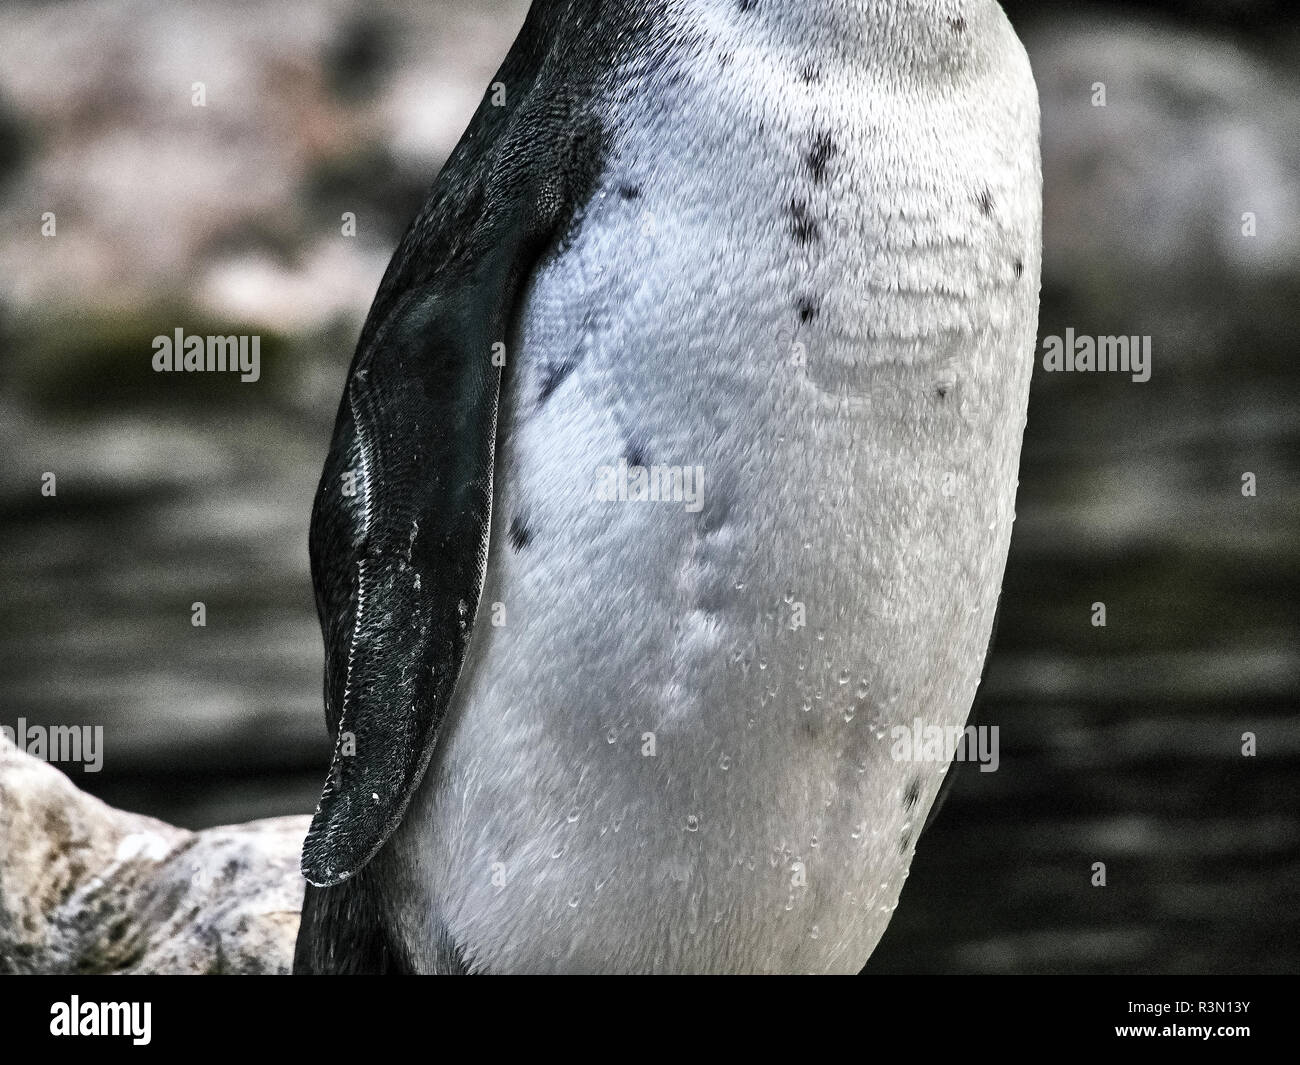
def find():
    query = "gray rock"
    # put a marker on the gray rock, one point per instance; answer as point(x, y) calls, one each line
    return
point(307, 103)
point(1146, 197)
point(85, 888)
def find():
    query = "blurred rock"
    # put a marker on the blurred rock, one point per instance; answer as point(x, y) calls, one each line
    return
point(309, 108)
point(1146, 197)
point(85, 888)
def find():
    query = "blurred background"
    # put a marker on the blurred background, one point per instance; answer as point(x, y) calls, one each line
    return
point(1119, 745)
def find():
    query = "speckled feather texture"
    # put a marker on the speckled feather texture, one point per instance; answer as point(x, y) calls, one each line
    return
point(789, 249)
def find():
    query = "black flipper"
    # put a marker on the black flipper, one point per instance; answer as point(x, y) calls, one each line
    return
point(398, 564)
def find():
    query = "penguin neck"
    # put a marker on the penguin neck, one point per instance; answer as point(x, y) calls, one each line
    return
point(886, 28)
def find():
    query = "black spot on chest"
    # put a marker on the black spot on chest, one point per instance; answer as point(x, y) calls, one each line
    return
point(553, 375)
point(808, 307)
point(985, 201)
point(520, 535)
point(819, 155)
point(803, 226)
point(637, 452)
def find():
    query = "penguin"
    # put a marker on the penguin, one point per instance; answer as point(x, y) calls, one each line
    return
point(673, 480)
